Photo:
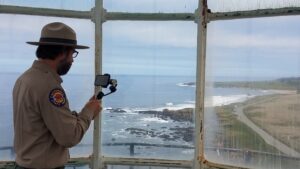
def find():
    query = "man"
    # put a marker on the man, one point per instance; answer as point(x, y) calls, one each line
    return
point(44, 125)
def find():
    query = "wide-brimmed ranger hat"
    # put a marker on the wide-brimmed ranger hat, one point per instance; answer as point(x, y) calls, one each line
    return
point(58, 33)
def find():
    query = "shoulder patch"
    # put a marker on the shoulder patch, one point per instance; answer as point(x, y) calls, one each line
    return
point(57, 97)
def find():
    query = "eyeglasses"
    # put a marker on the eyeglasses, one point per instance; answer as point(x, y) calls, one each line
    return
point(75, 53)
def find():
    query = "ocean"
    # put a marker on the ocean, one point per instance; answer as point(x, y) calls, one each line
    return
point(125, 131)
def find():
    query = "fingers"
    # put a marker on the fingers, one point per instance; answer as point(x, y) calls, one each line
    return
point(95, 105)
point(98, 109)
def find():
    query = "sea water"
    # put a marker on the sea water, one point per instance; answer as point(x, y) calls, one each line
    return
point(125, 131)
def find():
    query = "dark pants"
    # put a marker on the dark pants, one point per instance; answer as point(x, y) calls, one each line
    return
point(19, 167)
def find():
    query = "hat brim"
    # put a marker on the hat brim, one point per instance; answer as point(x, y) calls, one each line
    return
point(57, 43)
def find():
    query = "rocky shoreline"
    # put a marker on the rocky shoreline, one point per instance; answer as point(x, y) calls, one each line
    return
point(185, 114)
point(173, 134)
point(184, 133)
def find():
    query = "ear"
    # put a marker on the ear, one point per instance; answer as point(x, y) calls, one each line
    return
point(61, 56)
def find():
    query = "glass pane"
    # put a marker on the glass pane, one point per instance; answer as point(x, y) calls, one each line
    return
point(80, 5)
point(140, 167)
point(148, 6)
point(252, 97)
point(243, 5)
point(151, 114)
point(17, 56)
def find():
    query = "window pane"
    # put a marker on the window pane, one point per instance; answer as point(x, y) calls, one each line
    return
point(164, 6)
point(17, 56)
point(139, 167)
point(243, 5)
point(151, 114)
point(80, 5)
point(252, 96)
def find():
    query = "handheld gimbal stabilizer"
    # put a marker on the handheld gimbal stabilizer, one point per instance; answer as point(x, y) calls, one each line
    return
point(105, 81)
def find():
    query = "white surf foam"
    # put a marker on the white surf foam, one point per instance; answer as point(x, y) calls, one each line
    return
point(209, 102)
point(154, 119)
point(226, 100)
point(185, 85)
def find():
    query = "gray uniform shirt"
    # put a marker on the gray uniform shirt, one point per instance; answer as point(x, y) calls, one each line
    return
point(44, 125)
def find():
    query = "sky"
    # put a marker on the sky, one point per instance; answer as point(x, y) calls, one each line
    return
point(262, 47)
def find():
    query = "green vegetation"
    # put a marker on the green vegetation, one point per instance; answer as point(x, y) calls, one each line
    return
point(259, 100)
point(278, 84)
point(284, 127)
point(238, 135)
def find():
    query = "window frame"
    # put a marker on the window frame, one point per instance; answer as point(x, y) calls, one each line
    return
point(201, 17)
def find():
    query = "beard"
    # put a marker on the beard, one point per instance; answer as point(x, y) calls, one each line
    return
point(63, 67)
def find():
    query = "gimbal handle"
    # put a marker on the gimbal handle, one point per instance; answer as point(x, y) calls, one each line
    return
point(112, 89)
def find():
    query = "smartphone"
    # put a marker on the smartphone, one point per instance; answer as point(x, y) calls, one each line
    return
point(102, 80)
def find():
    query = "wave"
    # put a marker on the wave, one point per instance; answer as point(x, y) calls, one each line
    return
point(154, 119)
point(210, 101)
point(186, 84)
point(226, 100)
point(175, 107)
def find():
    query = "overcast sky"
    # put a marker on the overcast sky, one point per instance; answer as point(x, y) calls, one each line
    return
point(250, 47)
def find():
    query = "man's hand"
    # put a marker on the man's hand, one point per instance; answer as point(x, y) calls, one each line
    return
point(94, 105)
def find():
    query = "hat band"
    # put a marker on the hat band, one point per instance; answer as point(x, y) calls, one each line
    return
point(58, 40)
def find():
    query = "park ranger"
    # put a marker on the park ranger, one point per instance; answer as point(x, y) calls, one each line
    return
point(44, 125)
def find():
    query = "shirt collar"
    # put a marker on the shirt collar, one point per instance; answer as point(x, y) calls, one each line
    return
point(47, 69)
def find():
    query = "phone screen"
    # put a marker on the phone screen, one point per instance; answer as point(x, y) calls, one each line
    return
point(102, 80)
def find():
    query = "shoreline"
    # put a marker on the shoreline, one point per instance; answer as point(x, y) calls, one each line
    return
point(187, 114)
